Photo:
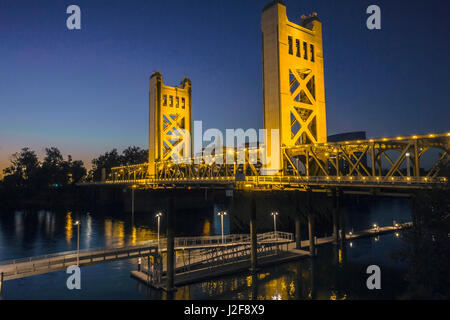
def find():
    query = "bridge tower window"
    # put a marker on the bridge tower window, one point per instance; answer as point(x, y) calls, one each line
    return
point(305, 50)
point(297, 46)
point(170, 101)
point(311, 46)
point(165, 100)
point(290, 44)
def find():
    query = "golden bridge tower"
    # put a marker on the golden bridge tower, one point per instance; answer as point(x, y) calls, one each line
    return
point(170, 116)
point(293, 78)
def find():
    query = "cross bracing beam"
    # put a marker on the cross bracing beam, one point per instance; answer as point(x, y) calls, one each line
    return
point(368, 163)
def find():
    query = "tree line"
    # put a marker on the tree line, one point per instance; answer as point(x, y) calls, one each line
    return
point(28, 175)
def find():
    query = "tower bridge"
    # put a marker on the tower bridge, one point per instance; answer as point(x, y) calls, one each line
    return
point(294, 117)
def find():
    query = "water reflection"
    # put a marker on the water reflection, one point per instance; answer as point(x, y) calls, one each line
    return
point(207, 228)
point(69, 227)
point(337, 273)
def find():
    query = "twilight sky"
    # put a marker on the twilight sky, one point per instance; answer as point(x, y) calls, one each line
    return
point(86, 91)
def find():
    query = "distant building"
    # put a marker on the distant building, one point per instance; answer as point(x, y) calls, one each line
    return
point(347, 136)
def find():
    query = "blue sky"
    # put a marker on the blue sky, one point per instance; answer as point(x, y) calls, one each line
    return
point(86, 91)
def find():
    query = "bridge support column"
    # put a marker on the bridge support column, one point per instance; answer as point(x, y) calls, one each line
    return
point(312, 277)
point(342, 227)
point(312, 245)
point(132, 205)
point(335, 216)
point(253, 237)
point(170, 272)
point(1, 282)
point(298, 236)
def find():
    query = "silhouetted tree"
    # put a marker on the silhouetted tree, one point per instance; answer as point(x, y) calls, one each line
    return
point(108, 160)
point(23, 171)
point(134, 155)
point(53, 168)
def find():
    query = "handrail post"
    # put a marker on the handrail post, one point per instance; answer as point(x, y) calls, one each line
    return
point(253, 236)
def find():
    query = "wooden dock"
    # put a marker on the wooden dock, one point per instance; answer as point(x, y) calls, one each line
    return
point(27, 267)
point(200, 271)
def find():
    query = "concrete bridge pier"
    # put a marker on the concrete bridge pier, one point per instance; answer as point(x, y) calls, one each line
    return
point(336, 211)
point(299, 283)
point(254, 286)
point(312, 244)
point(312, 280)
point(312, 238)
point(170, 274)
point(253, 237)
point(298, 235)
point(342, 228)
point(1, 282)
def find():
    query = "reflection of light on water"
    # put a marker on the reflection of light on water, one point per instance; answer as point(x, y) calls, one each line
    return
point(40, 218)
point(249, 281)
point(120, 233)
point(207, 228)
point(142, 234)
point(340, 256)
point(276, 287)
point(263, 275)
point(133, 236)
point(69, 226)
point(215, 287)
point(88, 231)
point(291, 289)
point(334, 296)
point(115, 234)
point(18, 224)
point(183, 293)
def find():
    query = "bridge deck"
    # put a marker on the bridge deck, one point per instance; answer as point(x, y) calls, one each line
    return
point(200, 270)
point(30, 266)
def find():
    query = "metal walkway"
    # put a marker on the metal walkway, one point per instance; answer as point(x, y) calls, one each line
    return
point(30, 266)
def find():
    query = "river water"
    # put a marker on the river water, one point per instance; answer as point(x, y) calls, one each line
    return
point(337, 273)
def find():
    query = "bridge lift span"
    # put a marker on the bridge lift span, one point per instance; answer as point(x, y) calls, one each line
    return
point(295, 121)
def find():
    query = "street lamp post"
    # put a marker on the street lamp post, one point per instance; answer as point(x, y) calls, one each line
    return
point(221, 214)
point(274, 214)
point(132, 200)
point(158, 216)
point(407, 164)
point(77, 223)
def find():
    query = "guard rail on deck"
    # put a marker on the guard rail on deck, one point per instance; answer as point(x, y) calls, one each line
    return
point(179, 242)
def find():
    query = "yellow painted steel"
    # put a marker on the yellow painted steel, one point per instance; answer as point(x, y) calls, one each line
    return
point(294, 104)
point(293, 78)
point(170, 116)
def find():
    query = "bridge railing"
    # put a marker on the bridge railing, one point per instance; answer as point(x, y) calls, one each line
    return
point(179, 242)
point(347, 180)
point(339, 180)
point(73, 253)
